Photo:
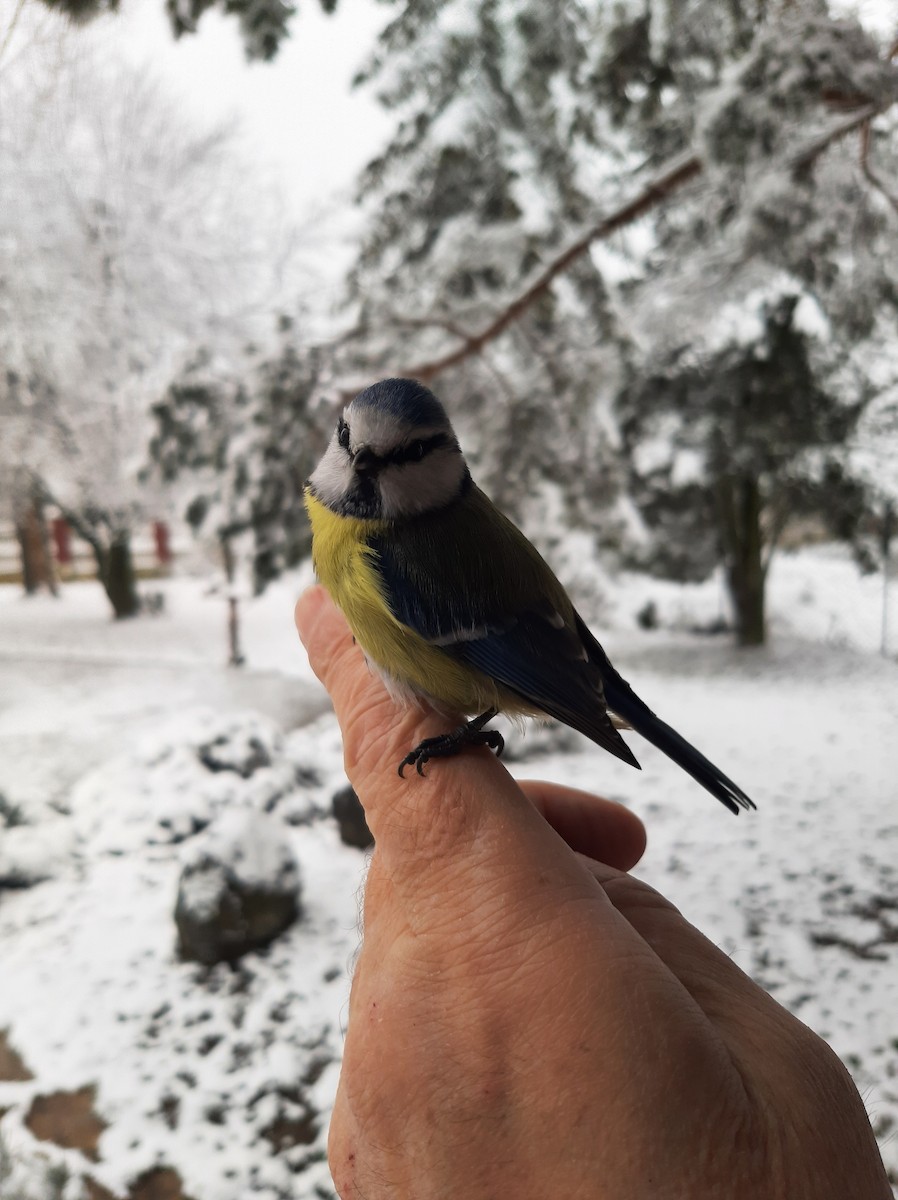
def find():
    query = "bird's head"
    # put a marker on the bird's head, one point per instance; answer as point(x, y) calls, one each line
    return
point(393, 455)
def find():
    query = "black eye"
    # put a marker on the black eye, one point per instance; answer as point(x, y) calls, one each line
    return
point(416, 451)
point(343, 435)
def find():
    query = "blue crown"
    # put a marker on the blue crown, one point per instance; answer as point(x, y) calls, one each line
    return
point(405, 399)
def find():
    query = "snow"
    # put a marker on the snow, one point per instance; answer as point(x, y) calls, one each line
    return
point(816, 596)
point(810, 319)
point(741, 323)
point(107, 733)
point(250, 847)
point(29, 855)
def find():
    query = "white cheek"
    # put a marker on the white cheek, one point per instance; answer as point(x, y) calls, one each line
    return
point(418, 487)
point(333, 475)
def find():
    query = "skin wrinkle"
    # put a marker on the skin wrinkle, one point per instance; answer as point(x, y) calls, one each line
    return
point(489, 913)
point(451, 864)
point(707, 997)
point(365, 750)
point(437, 849)
point(465, 962)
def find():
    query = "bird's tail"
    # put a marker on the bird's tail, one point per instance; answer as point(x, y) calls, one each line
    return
point(623, 701)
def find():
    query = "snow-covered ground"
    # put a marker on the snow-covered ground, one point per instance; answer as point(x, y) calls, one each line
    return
point(226, 1074)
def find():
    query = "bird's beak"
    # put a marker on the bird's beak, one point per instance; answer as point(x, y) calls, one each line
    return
point(365, 461)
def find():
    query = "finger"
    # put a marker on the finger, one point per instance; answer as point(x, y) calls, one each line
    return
point(415, 815)
point(377, 733)
point(462, 842)
point(589, 824)
point(334, 656)
point(737, 1006)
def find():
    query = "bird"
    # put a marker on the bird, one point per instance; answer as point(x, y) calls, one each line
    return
point(450, 602)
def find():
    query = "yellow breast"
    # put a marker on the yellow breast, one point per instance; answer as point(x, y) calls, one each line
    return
point(345, 564)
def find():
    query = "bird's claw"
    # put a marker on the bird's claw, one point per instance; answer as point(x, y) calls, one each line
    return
point(446, 744)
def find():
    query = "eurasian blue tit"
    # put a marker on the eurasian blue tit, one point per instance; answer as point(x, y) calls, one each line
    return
point(447, 598)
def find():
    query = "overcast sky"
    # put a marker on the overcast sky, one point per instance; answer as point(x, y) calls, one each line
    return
point(299, 110)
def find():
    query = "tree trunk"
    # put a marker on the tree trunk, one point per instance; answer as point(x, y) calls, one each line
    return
point(38, 569)
point(116, 571)
point(739, 508)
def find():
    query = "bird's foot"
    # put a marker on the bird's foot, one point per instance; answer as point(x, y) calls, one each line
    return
point(471, 733)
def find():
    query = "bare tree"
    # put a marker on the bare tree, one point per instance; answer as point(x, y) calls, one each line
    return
point(130, 237)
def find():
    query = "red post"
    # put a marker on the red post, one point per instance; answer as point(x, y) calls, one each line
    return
point(62, 541)
point(163, 543)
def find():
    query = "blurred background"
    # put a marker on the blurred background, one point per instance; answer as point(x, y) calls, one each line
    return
point(646, 252)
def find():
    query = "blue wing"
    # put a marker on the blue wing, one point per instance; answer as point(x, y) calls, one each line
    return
point(546, 666)
point(488, 602)
point(469, 582)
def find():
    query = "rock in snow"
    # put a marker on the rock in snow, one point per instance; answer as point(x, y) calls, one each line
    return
point(350, 817)
point(239, 890)
point(30, 854)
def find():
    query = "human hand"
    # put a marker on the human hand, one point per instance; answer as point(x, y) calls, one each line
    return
point(527, 1021)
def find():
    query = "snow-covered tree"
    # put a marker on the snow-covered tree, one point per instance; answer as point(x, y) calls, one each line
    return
point(498, 160)
point(736, 435)
point(129, 238)
point(263, 23)
point(238, 448)
point(760, 316)
point(572, 196)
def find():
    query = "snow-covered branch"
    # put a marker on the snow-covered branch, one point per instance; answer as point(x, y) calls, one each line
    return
point(665, 183)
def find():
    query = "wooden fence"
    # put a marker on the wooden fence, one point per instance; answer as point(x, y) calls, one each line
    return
point(152, 546)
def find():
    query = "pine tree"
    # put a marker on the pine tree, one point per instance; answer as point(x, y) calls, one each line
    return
point(497, 161)
point(754, 130)
point(263, 23)
point(731, 442)
point(237, 445)
point(760, 317)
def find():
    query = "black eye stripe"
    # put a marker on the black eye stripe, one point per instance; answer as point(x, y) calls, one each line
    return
point(418, 449)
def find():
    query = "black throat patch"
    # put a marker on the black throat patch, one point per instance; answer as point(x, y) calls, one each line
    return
point(361, 500)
